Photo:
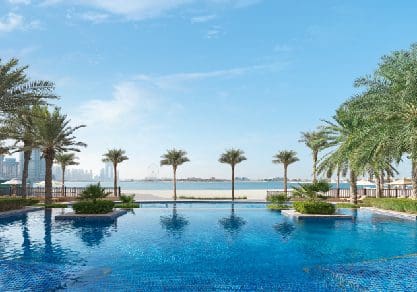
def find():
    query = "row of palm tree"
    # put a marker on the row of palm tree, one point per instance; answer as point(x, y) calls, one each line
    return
point(27, 119)
point(372, 131)
point(175, 158)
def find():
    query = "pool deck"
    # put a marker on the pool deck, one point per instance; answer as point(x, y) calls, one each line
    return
point(108, 216)
point(19, 211)
point(300, 216)
point(401, 215)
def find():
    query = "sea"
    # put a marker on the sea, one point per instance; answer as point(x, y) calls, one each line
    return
point(189, 185)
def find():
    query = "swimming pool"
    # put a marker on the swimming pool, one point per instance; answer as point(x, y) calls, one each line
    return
point(207, 247)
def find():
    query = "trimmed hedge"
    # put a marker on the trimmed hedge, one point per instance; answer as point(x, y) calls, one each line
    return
point(127, 205)
point(93, 207)
point(277, 207)
point(314, 207)
point(394, 204)
point(12, 203)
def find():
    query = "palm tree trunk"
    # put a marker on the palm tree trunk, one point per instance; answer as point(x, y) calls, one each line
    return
point(26, 159)
point(315, 157)
point(381, 181)
point(48, 178)
point(63, 182)
point(378, 186)
point(233, 183)
point(175, 184)
point(285, 178)
point(353, 188)
point(338, 183)
point(414, 177)
point(115, 180)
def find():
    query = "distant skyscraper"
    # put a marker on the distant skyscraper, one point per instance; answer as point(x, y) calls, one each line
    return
point(106, 173)
point(10, 168)
point(36, 169)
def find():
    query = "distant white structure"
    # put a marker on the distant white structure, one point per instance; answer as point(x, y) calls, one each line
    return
point(152, 172)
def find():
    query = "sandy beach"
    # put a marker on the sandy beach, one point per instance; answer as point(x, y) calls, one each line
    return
point(167, 194)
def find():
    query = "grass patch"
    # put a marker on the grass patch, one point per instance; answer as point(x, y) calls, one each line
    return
point(347, 205)
point(212, 198)
point(93, 207)
point(394, 204)
point(127, 205)
point(314, 207)
point(277, 207)
point(13, 203)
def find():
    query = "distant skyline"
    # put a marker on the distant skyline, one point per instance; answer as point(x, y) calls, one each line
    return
point(202, 76)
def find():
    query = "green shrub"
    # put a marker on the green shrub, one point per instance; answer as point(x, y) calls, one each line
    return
point(127, 205)
point(314, 207)
point(12, 203)
point(56, 206)
point(127, 199)
point(279, 199)
point(395, 204)
point(93, 207)
point(277, 207)
point(346, 205)
point(312, 191)
point(93, 192)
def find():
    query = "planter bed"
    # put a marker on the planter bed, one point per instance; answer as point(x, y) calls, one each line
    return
point(300, 216)
point(19, 211)
point(108, 216)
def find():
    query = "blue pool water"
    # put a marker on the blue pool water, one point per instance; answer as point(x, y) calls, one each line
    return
point(207, 247)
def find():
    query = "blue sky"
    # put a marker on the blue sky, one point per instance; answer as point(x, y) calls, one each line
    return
point(202, 75)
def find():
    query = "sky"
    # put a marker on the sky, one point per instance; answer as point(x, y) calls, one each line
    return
point(202, 75)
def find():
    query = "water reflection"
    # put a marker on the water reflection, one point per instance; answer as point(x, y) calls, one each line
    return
point(284, 229)
point(175, 223)
point(232, 223)
point(92, 233)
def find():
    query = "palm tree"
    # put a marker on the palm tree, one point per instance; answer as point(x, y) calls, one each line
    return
point(20, 127)
point(316, 141)
point(174, 158)
point(16, 91)
point(64, 160)
point(115, 156)
point(54, 135)
point(232, 157)
point(285, 157)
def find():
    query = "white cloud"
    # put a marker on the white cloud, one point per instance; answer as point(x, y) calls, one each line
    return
point(94, 17)
point(144, 9)
point(19, 2)
point(128, 102)
point(11, 22)
point(176, 79)
point(202, 18)
point(214, 32)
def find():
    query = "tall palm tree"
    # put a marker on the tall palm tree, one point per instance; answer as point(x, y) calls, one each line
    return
point(54, 135)
point(316, 141)
point(16, 91)
point(20, 127)
point(285, 157)
point(232, 157)
point(174, 158)
point(64, 160)
point(115, 156)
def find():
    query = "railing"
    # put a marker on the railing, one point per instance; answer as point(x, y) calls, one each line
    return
point(56, 192)
point(345, 193)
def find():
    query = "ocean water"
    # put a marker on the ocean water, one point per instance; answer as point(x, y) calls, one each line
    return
point(207, 247)
point(157, 185)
